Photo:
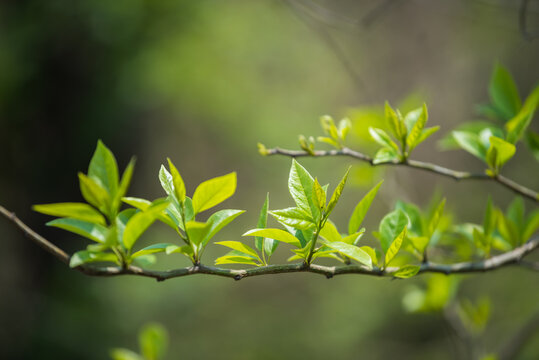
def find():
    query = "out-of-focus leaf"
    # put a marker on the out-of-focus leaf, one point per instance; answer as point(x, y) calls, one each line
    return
point(503, 92)
point(396, 123)
point(361, 209)
point(213, 192)
point(517, 126)
point(79, 211)
point(124, 354)
point(417, 129)
point(470, 142)
point(436, 216)
point(531, 226)
point(153, 340)
point(385, 155)
point(499, 152)
point(406, 272)
point(382, 138)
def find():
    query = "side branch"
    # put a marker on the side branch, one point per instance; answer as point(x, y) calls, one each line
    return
point(495, 262)
point(425, 166)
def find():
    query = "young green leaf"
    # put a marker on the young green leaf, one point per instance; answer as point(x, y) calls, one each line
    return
point(141, 221)
point(330, 232)
point(372, 254)
point(103, 169)
point(351, 251)
point(94, 193)
point(236, 245)
point(503, 92)
point(499, 152)
point(229, 259)
point(275, 234)
point(353, 239)
point(79, 211)
point(300, 185)
point(396, 123)
point(337, 193)
point(470, 142)
point(328, 125)
point(219, 220)
point(87, 229)
point(165, 178)
point(517, 126)
point(294, 217)
point(391, 226)
point(531, 225)
point(152, 249)
point(177, 181)
point(197, 232)
point(319, 195)
point(395, 247)
point(213, 192)
point(85, 256)
point(262, 223)
point(361, 209)
point(426, 133)
point(435, 219)
point(415, 133)
point(124, 185)
point(382, 138)
point(406, 272)
point(385, 155)
point(489, 220)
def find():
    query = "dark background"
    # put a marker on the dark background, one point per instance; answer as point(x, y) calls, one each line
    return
point(203, 82)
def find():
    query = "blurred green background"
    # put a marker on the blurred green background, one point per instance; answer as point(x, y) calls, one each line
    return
point(202, 82)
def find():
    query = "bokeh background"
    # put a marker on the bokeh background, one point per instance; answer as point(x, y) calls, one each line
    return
point(202, 82)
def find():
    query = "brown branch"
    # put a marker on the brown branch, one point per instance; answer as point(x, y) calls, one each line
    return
point(498, 261)
point(425, 166)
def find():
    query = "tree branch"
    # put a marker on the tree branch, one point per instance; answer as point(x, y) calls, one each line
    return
point(509, 258)
point(433, 168)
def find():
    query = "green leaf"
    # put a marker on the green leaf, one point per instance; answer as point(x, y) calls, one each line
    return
point(141, 221)
point(353, 239)
point(351, 251)
point(185, 250)
point(153, 340)
point(395, 247)
point(396, 123)
point(330, 232)
point(165, 178)
point(300, 185)
point(328, 125)
point(406, 272)
point(337, 193)
point(515, 212)
point(532, 141)
point(328, 141)
point(79, 211)
point(499, 152)
point(275, 234)
point(415, 226)
point(124, 185)
point(235, 260)
point(213, 192)
point(177, 181)
point(503, 92)
point(371, 252)
point(435, 219)
point(121, 221)
point(85, 256)
point(516, 127)
point(385, 155)
point(124, 354)
point(382, 138)
point(344, 127)
point(103, 169)
point(470, 142)
point(390, 227)
point(197, 232)
point(475, 127)
point(218, 221)
point(531, 225)
point(170, 216)
point(87, 229)
point(145, 260)
point(294, 217)
point(152, 249)
point(236, 245)
point(489, 220)
point(361, 209)
point(319, 195)
point(426, 133)
point(262, 223)
point(415, 133)
point(94, 193)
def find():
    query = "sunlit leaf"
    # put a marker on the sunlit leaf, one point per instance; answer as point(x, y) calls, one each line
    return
point(87, 229)
point(262, 223)
point(236, 245)
point(85, 257)
point(140, 222)
point(218, 221)
point(177, 181)
point(351, 251)
point(80, 211)
point(153, 340)
point(390, 227)
point(294, 217)
point(213, 192)
point(300, 185)
point(394, 247)
point(275, 234)
point(406, 272)
point(94, 193)
point(337, 193)
point(104, 170)
point(361, 209)
point(503, 92)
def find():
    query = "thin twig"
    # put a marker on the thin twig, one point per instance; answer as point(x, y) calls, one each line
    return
point(495, 262)
point(433, 168)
